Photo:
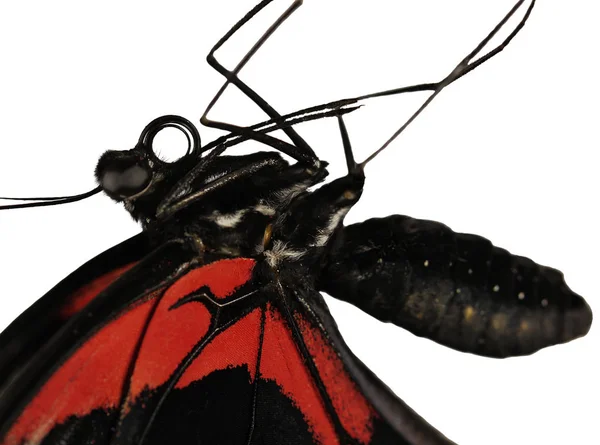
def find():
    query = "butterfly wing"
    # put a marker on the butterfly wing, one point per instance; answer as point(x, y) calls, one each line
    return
point(456, 289)
point(209, 353)
point(46, 354)
point(24, 336)
point(272, 369)
point(362, 407)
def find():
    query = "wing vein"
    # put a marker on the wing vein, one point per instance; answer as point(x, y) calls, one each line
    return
point(257, 374)
point(312, 368)
point(131, 367)
point(187, 361)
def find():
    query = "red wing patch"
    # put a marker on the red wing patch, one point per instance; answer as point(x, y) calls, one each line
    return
point(236, 346)
point(222, 277)
point(281, 362)
point(96, 374)
point(172, 334)
point(84, 295)
point(353, 410)
point(91, 378)
point(143, 348)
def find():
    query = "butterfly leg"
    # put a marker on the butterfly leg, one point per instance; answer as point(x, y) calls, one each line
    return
point(468, 64)
point(300, 149)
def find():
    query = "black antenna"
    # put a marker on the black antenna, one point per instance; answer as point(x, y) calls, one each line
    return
point(464, 67)
point(48, 201)
point(350, 163)
point(299, 150)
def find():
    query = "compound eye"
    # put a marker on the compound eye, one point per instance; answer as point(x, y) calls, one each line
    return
point(123, 177)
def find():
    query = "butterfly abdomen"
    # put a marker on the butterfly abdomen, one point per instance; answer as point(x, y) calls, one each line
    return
point(457, 289)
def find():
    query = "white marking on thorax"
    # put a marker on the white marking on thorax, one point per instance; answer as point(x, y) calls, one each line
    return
point(280, 251)
point(325, 233)
point(264, 209)
point(286, 195)
point(228, 220)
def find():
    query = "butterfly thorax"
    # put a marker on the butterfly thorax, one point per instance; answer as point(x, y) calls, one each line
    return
point(227, 204)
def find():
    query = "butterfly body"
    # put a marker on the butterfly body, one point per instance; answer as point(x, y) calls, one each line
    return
point(208, 327)
point(220, 305)
point(251, 337)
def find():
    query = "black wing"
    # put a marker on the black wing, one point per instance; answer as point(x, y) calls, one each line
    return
point(37, 344)
point(23, 337)
point(456, 289)
point(218, 354)
point(350, 385)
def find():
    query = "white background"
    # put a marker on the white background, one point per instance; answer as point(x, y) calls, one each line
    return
point(509, 152)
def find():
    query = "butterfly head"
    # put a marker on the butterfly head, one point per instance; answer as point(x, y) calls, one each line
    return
point(154, 190)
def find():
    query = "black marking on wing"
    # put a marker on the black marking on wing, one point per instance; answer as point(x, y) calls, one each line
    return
point(213, 410)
